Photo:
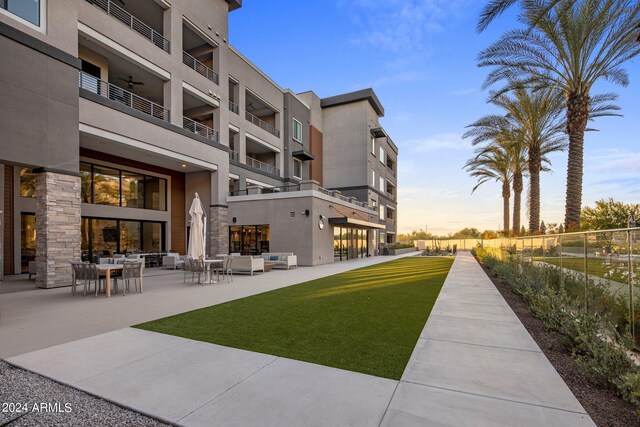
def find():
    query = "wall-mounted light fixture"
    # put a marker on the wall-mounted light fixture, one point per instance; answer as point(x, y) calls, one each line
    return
point(234, 219)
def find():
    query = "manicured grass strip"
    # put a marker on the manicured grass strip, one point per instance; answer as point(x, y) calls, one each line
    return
point(366, 320)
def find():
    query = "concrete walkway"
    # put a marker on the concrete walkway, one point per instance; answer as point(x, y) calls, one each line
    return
point(474, 364)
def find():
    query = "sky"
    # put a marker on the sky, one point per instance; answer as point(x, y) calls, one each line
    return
point(420, 58)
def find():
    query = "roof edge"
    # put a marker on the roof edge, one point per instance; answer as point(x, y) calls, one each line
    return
point(234, 4)
point(360, 95)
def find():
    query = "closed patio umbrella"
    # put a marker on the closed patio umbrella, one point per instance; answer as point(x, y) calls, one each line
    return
point(197, 234)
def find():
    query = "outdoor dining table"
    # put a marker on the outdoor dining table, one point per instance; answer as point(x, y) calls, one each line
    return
point(107, 268)
point(212, 263)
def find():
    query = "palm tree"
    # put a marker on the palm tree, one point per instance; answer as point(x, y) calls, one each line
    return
point(494, 165)
point(570, 46)
point(495, 8)
point(502, 137)
point(538, 116)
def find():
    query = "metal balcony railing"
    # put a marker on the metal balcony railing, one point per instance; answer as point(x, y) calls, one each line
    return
point(200, 129)
point(199, 67)
point(234, 108)
point(116, 93)
point(234, 155)
point(258, 122)
point(132, 22)
point(254, 163)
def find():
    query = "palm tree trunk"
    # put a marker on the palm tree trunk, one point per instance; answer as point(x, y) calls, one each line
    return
point(506, 195)
point(535, 165)
point(577, 116)
point(517, 196)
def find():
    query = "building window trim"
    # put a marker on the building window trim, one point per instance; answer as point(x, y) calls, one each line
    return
point(42, 9)
point(297, 131)
point(298, 163)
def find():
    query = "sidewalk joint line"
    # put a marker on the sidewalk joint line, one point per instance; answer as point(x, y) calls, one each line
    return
point(482, 345)
point(386, 409)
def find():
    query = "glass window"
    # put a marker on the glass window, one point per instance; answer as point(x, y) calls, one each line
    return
point(297, 168)
point(132, 190)
point(27, 240)
point(155, 193)
point(297, 130)
point(85, 243)
point(152, 236)
point(27, 183)
point(373, 146)
point(383, 156)
point(382, 182)
point(106, 183)
point(130, 238)
point(29, 10)
point(373, 178)
point(235, 239)
point(104, 234)
point(85, 182)
point(381, 212)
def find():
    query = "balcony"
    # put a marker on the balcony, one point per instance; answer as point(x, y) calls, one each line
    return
point(135, 24)
point(234, 108)
point(115, 93)
point(199, 67)
point(200, 129)
point(270, 169)
point(264, 125)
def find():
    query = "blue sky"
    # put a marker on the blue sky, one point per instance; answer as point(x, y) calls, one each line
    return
point(420, 58)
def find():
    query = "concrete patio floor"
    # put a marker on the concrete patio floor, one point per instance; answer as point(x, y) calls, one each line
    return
point(40, 318)
point(474, 364)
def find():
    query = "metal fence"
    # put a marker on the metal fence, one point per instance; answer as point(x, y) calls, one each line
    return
point(200, 129)
point(261, 123)
point(132, 22)
point(599, 269)
point(116, 93)
point(199, 67)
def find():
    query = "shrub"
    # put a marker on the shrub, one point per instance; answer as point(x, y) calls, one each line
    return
point(400, 246)
point(597, 338)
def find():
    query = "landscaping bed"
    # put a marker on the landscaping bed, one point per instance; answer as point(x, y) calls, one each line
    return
point(603, 404)
point(366, 320)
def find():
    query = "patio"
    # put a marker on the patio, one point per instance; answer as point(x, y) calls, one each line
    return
point(40, 318)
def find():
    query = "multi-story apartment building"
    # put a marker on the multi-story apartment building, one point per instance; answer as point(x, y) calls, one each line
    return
point(114, 114)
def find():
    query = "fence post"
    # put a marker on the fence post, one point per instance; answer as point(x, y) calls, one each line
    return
point(630, 282)
point(586, 273)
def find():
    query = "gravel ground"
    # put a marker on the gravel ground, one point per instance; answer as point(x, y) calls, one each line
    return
point(604, 406)
point(74, 408)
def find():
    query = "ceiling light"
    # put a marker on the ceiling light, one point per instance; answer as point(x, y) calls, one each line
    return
point(184, 166)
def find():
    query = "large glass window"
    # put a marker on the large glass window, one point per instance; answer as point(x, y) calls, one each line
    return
point(133, 190)
point(27, 183)
point(249, 239)
point(383, 156)
point(104, 237)
point(27, 240)
point(382, 182)
point(29, 10)
point(85, 183)
point(297, 130)
point(381, 212)
point(349, 243)
point(106, 186)
point(109, 186)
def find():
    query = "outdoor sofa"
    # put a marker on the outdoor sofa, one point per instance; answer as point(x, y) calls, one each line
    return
point(246, 264)
point(281, 259)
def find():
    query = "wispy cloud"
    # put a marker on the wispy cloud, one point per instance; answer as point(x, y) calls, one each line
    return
point(439, 142)
point(401, 26)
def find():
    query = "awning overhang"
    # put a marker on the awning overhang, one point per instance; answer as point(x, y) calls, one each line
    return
point(355, 223)
point(378, 132)
point(303, 155)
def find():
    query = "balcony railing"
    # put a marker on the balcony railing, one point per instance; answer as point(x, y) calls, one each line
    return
point(234, 108)
point(254, 163)
point(199, 67)
point(234, 155)
point(132, 22)
point(200, 129)
point(116, 93)
point(268, 190)
point(258, 122)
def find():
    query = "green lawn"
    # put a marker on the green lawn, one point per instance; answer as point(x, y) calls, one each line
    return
point(597, 267)
point(366, 320)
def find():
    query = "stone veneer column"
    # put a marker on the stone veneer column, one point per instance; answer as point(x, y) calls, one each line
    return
point(219, 223)
point(58, 236)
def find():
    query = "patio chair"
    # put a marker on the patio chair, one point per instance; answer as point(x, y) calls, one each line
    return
point(225, 269)
point(187, 269)
point(78, 277)
point(132, 271)
point(199, 268)
point(91, 274)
